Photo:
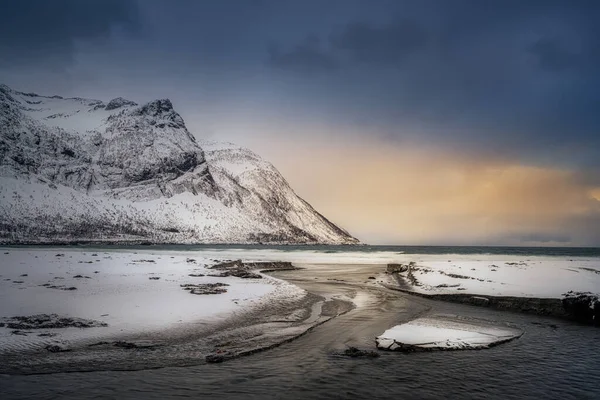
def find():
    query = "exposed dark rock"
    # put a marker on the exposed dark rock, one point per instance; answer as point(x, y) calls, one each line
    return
point(457, 276)
point(134, 345)
point(53, 348)
point(265, 267)
point(60, 255)
point(154, 278)
point(190, 260)
point(480, 301)
point(118, 103)
point(98, 344)
point(205, 288)
point(47, 334)
point(228, 265)
point(18, 332)
point(590, 270)
point(582, 306)
point(219, 357)
point(235, 268)
point(17, 281)
point(396, 268)
point(353, 352)
point(81, 277)
point(23, 275)
point(50, 321)
point(371, 277)
point(143, 261)
point(196, 275)
point(125, 345)
point(61, 287)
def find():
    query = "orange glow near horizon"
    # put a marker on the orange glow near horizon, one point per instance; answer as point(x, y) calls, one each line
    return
point(412, 195)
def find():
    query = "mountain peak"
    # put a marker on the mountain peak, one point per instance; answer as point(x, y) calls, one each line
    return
point(69, 170)
point(156, 108)
point(118, 103)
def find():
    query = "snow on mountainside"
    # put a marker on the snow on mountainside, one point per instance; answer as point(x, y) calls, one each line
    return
point(80, 169)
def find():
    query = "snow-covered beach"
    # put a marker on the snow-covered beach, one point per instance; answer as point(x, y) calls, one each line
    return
point(171, 306)
point(544, 277)
point(138, 299)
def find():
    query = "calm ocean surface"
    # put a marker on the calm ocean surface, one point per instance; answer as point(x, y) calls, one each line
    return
point(464, 250)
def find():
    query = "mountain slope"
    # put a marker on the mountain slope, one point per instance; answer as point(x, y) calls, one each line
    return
point(80, 169)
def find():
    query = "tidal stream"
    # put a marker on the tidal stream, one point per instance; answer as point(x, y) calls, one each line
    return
point(554, 359)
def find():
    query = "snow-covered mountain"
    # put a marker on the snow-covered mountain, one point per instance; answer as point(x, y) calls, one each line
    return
point(80, 169)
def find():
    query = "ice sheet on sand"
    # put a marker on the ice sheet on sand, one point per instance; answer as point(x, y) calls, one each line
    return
point(543, 278)
point(444, 333)
point(116, 288)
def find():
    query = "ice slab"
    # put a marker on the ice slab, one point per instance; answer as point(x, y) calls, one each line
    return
point(445, 333)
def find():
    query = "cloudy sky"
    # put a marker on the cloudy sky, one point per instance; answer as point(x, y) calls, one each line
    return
point(406, 122)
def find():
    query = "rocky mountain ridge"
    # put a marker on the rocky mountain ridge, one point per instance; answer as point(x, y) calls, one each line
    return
point(81, 169)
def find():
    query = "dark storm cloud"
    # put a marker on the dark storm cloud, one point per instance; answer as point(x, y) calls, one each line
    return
point(44, 31)
point(553, 55)
point(519, 76)
point(307, 56)
point(389, 44)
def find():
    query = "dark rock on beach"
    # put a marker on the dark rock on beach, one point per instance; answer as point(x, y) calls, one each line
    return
point(52, 348)
point(60, 287)
point(582, 306)
point(205, 288)
point(219, 357)
point(125, 345)
point(353, 352)
point(47, 334)
point(49, 321)
point(392, 268)
point(236, 268)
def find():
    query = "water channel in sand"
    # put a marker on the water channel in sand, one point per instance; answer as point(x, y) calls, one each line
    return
point(553, 359)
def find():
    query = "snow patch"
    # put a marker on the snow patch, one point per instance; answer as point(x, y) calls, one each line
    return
point(445, 333)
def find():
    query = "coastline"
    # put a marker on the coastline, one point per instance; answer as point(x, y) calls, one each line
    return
point(263, 323)
point(556, 307)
